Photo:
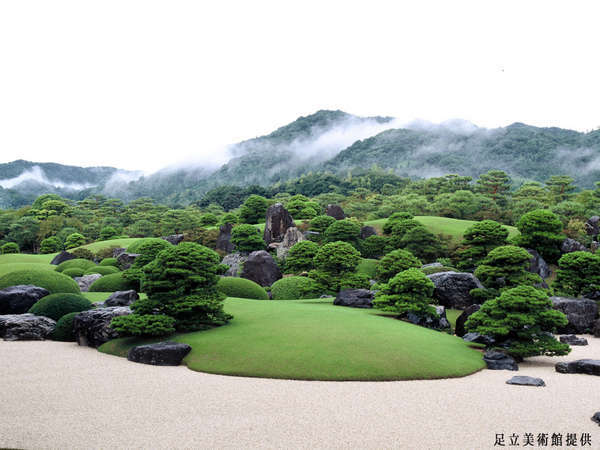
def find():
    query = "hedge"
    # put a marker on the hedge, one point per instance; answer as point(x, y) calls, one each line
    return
point(77, 263)
point(241, 288)
point(111, 283)
point(294, 288)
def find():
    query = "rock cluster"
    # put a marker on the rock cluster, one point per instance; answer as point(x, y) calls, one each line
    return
point(235, 262)
point(292, 236)
point(122, 298)
point(571, 339)
point(581, 314)
point(261, 268)
point(538, 265)
point(499, 361)
point(62, 257)
point(585, 366)
point(125, 260)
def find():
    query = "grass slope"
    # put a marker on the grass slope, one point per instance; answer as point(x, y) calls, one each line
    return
point(314, 340)
point(26, 258)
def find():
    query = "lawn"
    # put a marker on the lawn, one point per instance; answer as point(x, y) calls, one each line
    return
point(124, 243)
point(26, 258)
point(314, 340)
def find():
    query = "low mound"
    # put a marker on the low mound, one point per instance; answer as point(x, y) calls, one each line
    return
point(50, 280)
point(241, 288)
point(135, 246)
point(111, 283)
point(55, 306)
point(16, 266)
point(109, 262)
point(73, 272)
point(77, 263)
point(294, 288)
point(64, 329)
point(102, 270)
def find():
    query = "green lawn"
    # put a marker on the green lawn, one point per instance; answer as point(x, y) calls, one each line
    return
point(26, 258)
point(452, 315)
point(12, 267)
point(124, 243)
point(314, 340)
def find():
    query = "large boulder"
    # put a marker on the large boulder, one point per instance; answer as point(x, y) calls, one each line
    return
point(92, 328)
point(581, 313)
point(367, 231)
point(86, 281)
point(292, 236)
point(235, 262)
point(592, 226)
point(277, 223)
point(585, 366)
point(62, 257)
point(122, 298)
point(25, 327)
point(355, 298)
point(159, 354)
point(538, 265)
point(452, 288)
point(596, 329)
point(18, 299)
point(224, 239)
point(459, 328)
point(335, 211)
point(174, 239)
point(499, 361)
point(125, 260)
point(571, 245)
point(261, 268)
point(437, 323)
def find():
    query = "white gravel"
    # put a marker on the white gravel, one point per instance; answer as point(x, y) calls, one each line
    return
point(57, 395)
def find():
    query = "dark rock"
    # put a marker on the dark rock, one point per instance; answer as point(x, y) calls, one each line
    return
point(479, 339)
point(571, 245)
point(25, 327)
point(224, 239)
point(592, 226)
point(174, 239)
point(571, 339)
point(125, 260)
point(235, 261)
point(522, 380)
point(277, 222)
point(86, 281)
point(355, 298)
point(538, 265)
point(459, 328)
point(581, 313)
point(499, 361)
point(18, 299)
point(335, 211)
point(261, 268)
point(117, 251)
point(292, 236)
point(596, 418)
point(596, 329)
point(367, 231)
point(62, 257)
point(452, 288)
point(122, 298)
point(160, 354)
point(436, 323)
point(584, 366)
point(92, 328)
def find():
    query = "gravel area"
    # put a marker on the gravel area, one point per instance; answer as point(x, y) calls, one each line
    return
point(59, 395)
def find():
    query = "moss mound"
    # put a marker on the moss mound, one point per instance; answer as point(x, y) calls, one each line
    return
point(64, 329)
point(111, 283)
point(241, 288)
point(135, 246)
point(55, 306)
point(102, 270)
point(78, 263)
point(53, 281)
point(294, 288)
point(73, 272)
point(109, 262)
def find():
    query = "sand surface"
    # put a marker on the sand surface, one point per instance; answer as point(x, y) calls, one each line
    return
point(59, 395)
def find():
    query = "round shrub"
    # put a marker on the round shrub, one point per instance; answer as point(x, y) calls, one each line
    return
point(73, 272)
point(84, 253)
point(337, 258)
point(294, 288)
point(102, 270)
point(134, 247)
point(300, 257)
point(74, 240)
point(8, 248)
point(241, 288)
point(247, 238)
point(148, 251)
point(144, 325)
point(321, 223)
point(64, 329)
point(395, 262)
point(111, 283)
point(78, 263)
point(343, 230)
point(51, 244)
point(109, 262)
point(50, 280)
point(55, 306)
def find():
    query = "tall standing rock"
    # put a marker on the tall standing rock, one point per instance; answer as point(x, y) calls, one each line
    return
point(452, 289)
point(292, 236)
point(277, 223)
point(261, 268)
point(538, 265)
point(335, 211)
point(224, 240)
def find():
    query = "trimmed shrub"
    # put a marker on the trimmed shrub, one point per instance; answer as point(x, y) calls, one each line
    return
point(112, 283)
point(247, 238)
point(55, 306)
point(148, 251)
point(479, 239)
point(422, 243)
point(410, 291)
point(9, 248)
point(254, 209)
point(64, 328)
point(134, 247)
point(107, 252)
point(241, 288)
point(344, 230)
point(84, 253)
point(107, 233)
point(74, 240)
point(73, 272)
point(102, 270)
point(78, 263)
point(294, 288)
point(578, 274)
point(109, 262)
point(51, 244)
point(144, 325)
point(300, 257)
point(506, 267)
point(395, 262)
point(337, 258)
point(321, 223)
point(50, 280)
point(541, 230)
point(374, 246)
point(394, 219)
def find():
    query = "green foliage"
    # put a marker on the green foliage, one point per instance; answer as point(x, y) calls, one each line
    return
point(108, 233)
point(578, 274)
point(300, 257)
point(247, 238)
point(109, 262)
point(409, 291)
point(479, 240)
point(541, 230)
point(505, 267)
point(50, 280)
point(112, 283)
point(74, 240)
point(102, 270)
point(84, 253)
point(207, 220)
point(495, 184)
point(64, 328)
point(368, 267)
point(394, 262)
point(9, 248)
point(321, 223)
point(422, 243)
point(148, 250)
point(241, 288)
point(399, 229)
point(136, 245)
point(78, 263)
point(73, 272)
point(394, 219)
point(355, 280)
point(254, 209)
point(521, 319)
point(55, 306)
point(144, 325)
point(229, 218)
point(50, 245)
point(343, 230)
point(337, 258)
point(374, 246)
point(294, 288)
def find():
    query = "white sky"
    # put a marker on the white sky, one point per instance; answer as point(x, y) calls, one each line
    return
point(144, 84)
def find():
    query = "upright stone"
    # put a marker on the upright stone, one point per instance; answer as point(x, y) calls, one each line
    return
point(86, 281)
point(459, 328)
point(538, 265)
point(277, 222)
point(125, 260)
point(224, 239)
point(592, 226)
point(261, 268)
point(174, 239)
point(335, 211)
point(292, 236)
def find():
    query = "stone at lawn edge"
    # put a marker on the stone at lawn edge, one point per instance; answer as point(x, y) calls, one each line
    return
point(261, 268)
point(277, 222)
point(584, 366)
point(18, 299)
point(335, 211)
point(292, 236)
point(355, 298)
point(86, 281)
point(436, 323)
point(452, 288)
point(62, 257)
point(522, 380)
point(459, 328)
point(224, 239)
point(173, 239)
point(159, 354)
point(92, 328)
point(235, 262)
point(367, 231)
point(499, 361)
point(538, 265)
point(571, 339)
point(581, 313)
point(596, 417)
point(25, 327)
point(479, 339)
point(571, 245)
point(122, 298)
point(125, 260)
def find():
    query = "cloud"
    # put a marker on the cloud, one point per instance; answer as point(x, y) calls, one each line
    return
point(36, 174)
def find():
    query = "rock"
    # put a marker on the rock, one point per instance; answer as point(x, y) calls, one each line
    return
point(117, 251)
point(92, 328)
point(479, 339)
point(596, 329)
point(174, 239)
point(292, 236)
point(235, 261)
point(335, 211)
point(581, 313)
point(435, 264)
point(596, 417)
point(125, 260)
point(18, 299)
point(86, 281)
point(122, 298)
point(261, 268)
point(452, 288)
point(584, 366)
point(571, 339)
point(571, 245)
point(436, 323)
point(62, 257)
point(594, 246)
point(355, 298)
point(277, 222)
point(592, 226)
point(538, 265)
point(522, 380)
point(499, 361)
point(224, 239)
point(160, 354)
point(367, 231)
point(459, 328)
point(25, 327)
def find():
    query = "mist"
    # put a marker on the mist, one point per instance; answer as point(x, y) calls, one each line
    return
point(37, 174)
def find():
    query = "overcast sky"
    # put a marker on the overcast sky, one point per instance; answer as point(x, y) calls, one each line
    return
point(144, 84)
